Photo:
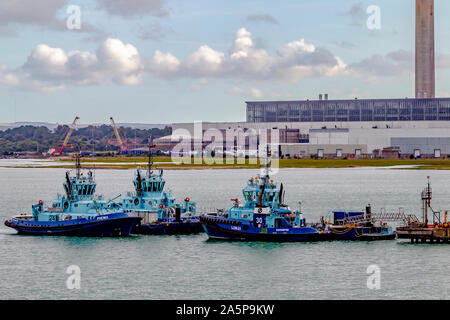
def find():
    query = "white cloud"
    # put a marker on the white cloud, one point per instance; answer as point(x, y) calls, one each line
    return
point(50, 69)
point(205, 62)
point(163, 64)
point(120, 62)
point(295, 60)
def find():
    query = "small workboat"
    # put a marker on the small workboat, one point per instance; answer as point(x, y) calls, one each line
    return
point(262, 217)
point(157, 207)
point(79, 212)
point(357, 225)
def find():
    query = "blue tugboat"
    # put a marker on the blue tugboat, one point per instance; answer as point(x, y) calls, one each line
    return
point(357, 225)
point(77, 213)
point(262, 217)
point(159, 212)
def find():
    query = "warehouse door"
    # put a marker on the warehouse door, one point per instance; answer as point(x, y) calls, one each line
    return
point(437, 153)
point(416, 153)
point(339, 153)
point(320, 153)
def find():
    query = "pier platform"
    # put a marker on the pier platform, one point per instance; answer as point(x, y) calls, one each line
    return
point(430, 233)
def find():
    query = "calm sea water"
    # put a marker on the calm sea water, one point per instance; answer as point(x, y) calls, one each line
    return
point(190, 267)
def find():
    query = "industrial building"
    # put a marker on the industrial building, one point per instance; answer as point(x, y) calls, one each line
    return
point(417, 127)
point(349, 110)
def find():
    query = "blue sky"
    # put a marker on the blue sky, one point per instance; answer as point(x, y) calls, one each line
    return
point(164, 61)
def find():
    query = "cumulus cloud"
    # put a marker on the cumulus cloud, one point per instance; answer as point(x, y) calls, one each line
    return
point(164, 65)
point(266, 18)
point(130, 8)
point(50, 69)
point(204, 62)
point(245, 60)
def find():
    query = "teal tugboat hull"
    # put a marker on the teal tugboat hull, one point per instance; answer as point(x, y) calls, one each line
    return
point(109, 225)
point(229, 229)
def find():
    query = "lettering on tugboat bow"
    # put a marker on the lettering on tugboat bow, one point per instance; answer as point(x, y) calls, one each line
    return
point(231, 309)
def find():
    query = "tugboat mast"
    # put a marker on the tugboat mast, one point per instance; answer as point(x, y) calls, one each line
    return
point(78, 164)
point(150, 156)
point(267, 163)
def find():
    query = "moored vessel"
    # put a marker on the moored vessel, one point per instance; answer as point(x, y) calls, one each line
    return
point(358, 225)
point(262, 217)
point(157, 207)
point(79, 212)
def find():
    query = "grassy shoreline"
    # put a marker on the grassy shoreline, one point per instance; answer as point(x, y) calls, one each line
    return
point(166, 163)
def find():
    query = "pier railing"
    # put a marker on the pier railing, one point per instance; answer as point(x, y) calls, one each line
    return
point(383, 216)
point(395, 216)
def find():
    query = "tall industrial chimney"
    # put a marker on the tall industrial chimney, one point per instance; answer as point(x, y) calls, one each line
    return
point(425, 68)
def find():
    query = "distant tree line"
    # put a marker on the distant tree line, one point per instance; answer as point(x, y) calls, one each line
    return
point(97, 138)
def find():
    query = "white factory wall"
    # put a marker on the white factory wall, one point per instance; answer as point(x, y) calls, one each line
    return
point(305, 126)
point(327, 149)
point(375, 135)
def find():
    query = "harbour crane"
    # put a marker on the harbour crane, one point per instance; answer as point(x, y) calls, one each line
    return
point(122, 144)
point(57, 152)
